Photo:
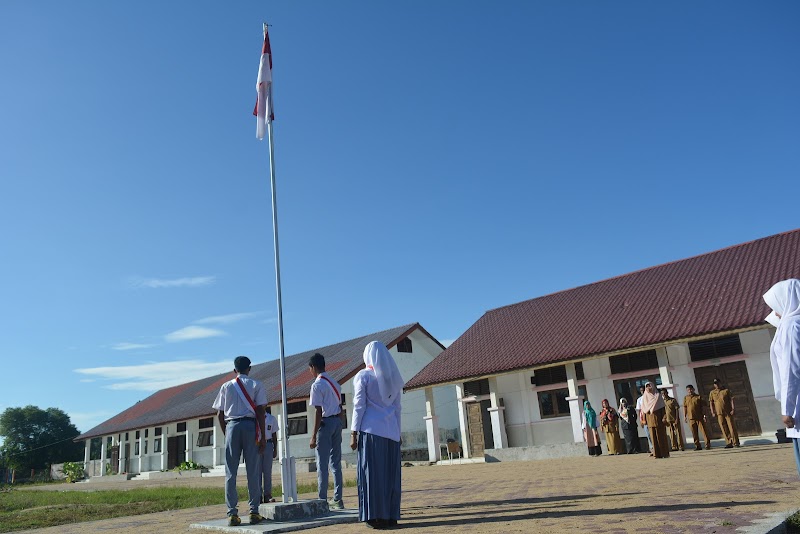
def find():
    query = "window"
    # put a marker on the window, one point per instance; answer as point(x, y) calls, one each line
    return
point(719, 347)
point(207, 423)
point(145, 432)
point(182, 427)
point(554, 403)
point(126, 436)
point(298, 418)
point(136, 448)
point(634, 361)
point(158, 431)
point(629, 387)
point(344, 401)
point(476, 387)
point(137, 434)
point(404, 345)
point(145, 446)
point(204, 438)
point(157, 445)
point(555, 375)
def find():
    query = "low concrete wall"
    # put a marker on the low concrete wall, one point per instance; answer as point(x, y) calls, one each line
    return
point(171, 475)
point(540, 452)
point(111, 478)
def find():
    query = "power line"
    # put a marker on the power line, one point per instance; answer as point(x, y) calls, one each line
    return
point(8, 455)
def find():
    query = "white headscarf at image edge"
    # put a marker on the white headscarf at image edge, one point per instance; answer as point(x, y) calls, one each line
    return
point(390, 382)
point(784, 299)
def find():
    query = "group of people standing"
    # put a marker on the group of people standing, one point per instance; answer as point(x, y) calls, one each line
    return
point(660, 413)
point(375, 435)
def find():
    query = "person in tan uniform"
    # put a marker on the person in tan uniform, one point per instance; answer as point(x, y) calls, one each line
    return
point(672, 419)
point(694, 412)
point(609, 421)
point(722, 407)
point(653, 415)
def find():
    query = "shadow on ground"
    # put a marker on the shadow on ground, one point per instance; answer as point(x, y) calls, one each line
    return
point(504, 515)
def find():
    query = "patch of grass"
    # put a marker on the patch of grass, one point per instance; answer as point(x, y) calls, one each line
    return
point(22, 509)
point(727, 523)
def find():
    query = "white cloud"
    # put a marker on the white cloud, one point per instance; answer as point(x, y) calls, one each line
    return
point(193, 332)
point(155, 283)
point(226, 319)
point(130, 346)
point(156, 375)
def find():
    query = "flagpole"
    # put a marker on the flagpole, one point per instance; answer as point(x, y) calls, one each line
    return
point(288, 479)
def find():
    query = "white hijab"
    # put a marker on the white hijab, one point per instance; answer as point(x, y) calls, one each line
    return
point(378, 360)
point(784, 299)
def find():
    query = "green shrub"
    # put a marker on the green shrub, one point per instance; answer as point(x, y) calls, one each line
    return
point(188, 466)
point(73, 471)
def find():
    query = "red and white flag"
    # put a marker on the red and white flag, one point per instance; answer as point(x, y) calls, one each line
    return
point(263, 109)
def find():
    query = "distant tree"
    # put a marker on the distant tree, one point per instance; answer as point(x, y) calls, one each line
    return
point(35, 438)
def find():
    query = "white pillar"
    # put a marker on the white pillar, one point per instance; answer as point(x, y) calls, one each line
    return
point(163, 437)
point(103, 455)
point(215, 442)
point(663, 367)
point(432, 427)
point(189, 444)
point(524, 388)
point(575, 403)
point(496, 414)
point(87, 451)
point(141, 450)
point(462, 421)
point(121, 460)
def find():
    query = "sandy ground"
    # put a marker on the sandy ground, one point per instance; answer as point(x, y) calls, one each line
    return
point(713, 491)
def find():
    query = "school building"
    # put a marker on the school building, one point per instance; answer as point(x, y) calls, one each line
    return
point(177, 424)
point(521, 372)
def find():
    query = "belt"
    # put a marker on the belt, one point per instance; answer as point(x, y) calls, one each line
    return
point(231, 420)
point(329, 416)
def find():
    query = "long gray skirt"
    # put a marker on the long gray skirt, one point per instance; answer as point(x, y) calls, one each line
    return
point(378, 478)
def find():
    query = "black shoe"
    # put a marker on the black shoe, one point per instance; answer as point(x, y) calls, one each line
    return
point(728, 446)
point(698, 448)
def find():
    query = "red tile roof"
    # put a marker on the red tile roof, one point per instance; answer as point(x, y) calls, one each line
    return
point(188, 401)
point(708, 294)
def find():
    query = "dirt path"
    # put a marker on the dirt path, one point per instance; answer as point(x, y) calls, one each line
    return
point(710, 491)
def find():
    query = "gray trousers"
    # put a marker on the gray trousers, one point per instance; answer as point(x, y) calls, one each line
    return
point(329, 452)
point(240, 438)
point(266, 470)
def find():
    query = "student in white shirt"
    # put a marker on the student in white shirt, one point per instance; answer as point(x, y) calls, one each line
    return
point(269, 455)
point(326, 438)
point(376, 435)
point(784, 355)
point(241, 417)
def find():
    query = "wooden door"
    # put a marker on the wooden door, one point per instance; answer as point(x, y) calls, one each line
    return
point(176, 451)
point(115, 459)
point(475, 424)
point(126, 463)
point(734, 376)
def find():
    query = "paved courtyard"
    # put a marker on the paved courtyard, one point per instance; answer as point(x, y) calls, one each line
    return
point(713, 491)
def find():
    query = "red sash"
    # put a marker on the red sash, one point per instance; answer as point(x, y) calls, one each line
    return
point(338, 396)
point(253, 406)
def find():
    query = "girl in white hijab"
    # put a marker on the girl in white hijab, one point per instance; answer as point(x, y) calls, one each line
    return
point(376, 436)
point(784, 355)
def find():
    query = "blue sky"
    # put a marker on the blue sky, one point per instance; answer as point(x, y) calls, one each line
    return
point(434, 160)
